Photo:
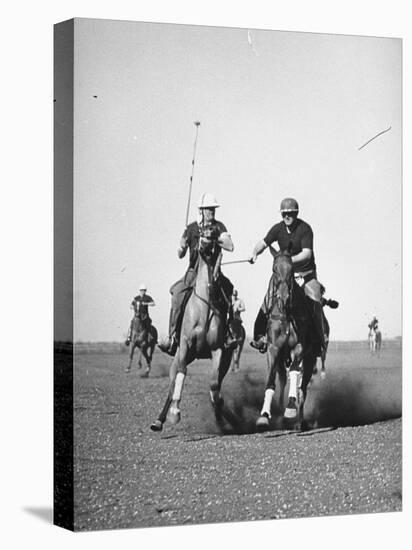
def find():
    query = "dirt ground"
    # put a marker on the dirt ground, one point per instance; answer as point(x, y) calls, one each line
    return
point(201, 471)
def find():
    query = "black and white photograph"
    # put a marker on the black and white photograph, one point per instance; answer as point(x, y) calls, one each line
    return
point(206, 220)
point(235, 336)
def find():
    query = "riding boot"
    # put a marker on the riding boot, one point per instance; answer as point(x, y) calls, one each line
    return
point(317, 314)
point(169, 346)
point(259, 331)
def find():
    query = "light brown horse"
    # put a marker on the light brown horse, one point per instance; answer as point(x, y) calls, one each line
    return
point(290, 337)
point(144, 339)
point(202, 334)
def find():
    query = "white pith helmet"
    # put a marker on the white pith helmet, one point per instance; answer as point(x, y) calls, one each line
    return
point(207, 200)
point(142, 287)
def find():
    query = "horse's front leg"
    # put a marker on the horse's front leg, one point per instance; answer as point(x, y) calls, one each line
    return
point(291, 409)
point(157, 425)
point(221, 363)
point(182, 361)
point(147, 358)
point(262, 423)
point(131, 353)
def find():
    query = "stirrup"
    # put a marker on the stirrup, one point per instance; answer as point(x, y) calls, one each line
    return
point(260, 345)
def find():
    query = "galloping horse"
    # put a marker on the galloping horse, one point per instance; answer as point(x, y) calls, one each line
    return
point(144, 338)
point(290, 337)
point(202, 333)
point(375, 340)
point(238, 331)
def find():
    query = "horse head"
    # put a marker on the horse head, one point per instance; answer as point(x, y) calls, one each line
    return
point(208, 244)
point(282, 276)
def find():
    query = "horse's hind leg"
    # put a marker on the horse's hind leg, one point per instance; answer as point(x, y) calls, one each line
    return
point(308, 364)
point(291, 409)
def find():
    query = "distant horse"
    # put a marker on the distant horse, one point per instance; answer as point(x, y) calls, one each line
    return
point(202, 333)
point(144, 339)
point(290, 337)
point(375, 340)
point(238, 331)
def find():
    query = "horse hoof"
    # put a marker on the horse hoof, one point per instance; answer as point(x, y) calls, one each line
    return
point(291, 410)
point(322, 374)
point(144, 375)
point(127, 370)
point(173, 416)
point(157, 426)
point(262, 423)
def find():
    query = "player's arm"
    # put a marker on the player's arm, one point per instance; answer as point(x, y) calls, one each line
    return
point(150, 302)
point(303, 256)
point(181, 251)
point(260, 246)
point(307, 246)
point(225, 241)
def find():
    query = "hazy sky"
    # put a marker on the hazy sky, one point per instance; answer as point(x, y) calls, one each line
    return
point(282, 114)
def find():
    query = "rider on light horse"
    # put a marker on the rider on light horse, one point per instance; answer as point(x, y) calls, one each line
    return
point(182, 289)
point(140, 305)
point(297, 234)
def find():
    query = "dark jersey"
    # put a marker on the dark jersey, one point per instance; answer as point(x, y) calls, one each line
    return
point(300, 237)
point(139, 304)
point(192, 234)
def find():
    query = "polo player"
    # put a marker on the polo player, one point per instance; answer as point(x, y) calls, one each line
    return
point(140, 305)
point(238, 306)
point(295, 233)
point(373, 325)
point(182, 289)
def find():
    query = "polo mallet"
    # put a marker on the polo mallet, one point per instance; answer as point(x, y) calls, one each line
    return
point(237, 262)
point(197, 124)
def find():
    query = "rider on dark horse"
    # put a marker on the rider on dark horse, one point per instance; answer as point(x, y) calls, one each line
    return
point(140, 305)
point(294, 234)
point(182, 289)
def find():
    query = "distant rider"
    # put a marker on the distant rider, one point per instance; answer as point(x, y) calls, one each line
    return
point(238, 306)
point(140, 305)
point(373, 325)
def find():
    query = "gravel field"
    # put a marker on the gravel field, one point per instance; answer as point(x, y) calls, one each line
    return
point(201, 471)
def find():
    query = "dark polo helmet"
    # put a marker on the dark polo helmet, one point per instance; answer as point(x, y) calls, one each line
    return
point(289, 205)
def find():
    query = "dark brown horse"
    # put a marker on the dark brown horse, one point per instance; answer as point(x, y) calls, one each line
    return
point(144, 339)
point(290, 337)
point(202, 334)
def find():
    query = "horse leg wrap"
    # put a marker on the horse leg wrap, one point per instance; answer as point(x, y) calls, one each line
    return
point(179, 381)
point(269, 393)
point(293, 386)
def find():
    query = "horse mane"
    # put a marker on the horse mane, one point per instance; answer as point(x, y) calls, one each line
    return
point(275, 253)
